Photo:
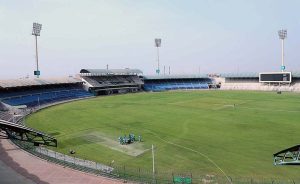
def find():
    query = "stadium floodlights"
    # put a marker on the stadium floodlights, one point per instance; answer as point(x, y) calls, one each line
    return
point(157, 45)
point(157, 42)
point(36, 30)
point(282, 34)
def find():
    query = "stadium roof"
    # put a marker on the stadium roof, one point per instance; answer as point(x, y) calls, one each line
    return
point(295, 74)
point(110, 71)
point(36, 82)
point(175, 76)
point(240, 75)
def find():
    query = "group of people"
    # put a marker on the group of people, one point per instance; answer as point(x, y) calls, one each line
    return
point(130, 139)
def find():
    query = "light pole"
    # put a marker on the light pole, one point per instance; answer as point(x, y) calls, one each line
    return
point(157, 45)
point(282, 35)
point(36, 30)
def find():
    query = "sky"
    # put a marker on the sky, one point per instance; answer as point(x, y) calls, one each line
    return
point(206, 36)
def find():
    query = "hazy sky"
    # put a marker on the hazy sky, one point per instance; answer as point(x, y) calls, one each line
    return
point(215, 35)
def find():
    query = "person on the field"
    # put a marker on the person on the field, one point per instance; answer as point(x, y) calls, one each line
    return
point(120, 140)
point(125, 139)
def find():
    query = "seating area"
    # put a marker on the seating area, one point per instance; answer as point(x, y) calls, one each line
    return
point(162, 85)
point(36, 97)
point(12, 92)
point(241, 84)
point(254, 84)
point(111, 80)
point(5, 115)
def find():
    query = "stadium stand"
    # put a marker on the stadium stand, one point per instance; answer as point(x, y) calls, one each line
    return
point(3, 107)
point(250, 81)
point(247, 81)
point(33, 92)
point(105, 82)
point(4, 112)
point(4, 115)
point(14, 115)
point(184, 82)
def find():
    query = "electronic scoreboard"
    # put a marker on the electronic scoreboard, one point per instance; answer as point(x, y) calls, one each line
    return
point(275, 77)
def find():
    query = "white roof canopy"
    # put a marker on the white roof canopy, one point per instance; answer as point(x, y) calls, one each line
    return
point(36, 82)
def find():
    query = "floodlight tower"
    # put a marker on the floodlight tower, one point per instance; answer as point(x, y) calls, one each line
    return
point(157, 45)
point(282, 35)
point(36, 30)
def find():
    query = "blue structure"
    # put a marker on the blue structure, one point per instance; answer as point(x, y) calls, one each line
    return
point(34, 92)
point(43, 97)
point(176, 83)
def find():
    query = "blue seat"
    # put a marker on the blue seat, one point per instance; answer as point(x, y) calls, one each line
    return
point(176, 84)
point(32, 98)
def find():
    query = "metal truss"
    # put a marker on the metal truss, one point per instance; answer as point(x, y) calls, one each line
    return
point(23, 133)
point(289, 156)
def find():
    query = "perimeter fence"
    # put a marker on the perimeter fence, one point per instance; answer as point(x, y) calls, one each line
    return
point(139, 175)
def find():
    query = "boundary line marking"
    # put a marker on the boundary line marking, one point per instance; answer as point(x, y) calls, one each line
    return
point(192, 150)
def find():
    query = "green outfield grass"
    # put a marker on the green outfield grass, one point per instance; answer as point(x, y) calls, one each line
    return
point(193, 131)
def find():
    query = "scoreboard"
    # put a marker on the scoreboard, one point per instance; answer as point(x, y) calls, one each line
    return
point(276, 77)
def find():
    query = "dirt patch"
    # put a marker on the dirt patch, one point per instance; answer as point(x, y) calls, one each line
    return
point(134, 149)
point(225, 106)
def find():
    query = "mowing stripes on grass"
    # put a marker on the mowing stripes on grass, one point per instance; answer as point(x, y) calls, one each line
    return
point(241, 140)
point(195, 151)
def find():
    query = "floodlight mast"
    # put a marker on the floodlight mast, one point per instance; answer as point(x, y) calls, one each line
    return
point(36, 30)
point(157, 45)
point(282, 35)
